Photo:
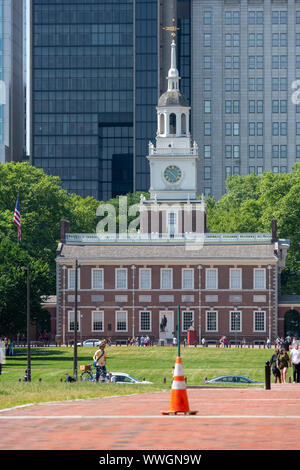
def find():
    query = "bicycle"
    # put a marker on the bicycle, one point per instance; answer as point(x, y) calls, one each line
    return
point(87, 375)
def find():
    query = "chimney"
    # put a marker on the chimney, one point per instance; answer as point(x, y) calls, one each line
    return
point(64, 228)
point(274, 231)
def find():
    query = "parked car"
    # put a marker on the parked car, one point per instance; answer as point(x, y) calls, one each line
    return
point(90, 343)
point(235, 379)
point(122, 377)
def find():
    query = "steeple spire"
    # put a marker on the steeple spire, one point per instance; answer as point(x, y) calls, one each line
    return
point(173, 75)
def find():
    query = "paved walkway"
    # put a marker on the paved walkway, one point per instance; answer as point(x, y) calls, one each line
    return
point(227, 419)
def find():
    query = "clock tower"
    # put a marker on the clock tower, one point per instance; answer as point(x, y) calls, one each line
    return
point(173, 162)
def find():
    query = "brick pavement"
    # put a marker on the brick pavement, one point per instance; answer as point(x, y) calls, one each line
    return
point(227, 419)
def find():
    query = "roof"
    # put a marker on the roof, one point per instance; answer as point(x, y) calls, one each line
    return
point(172, 98)
point(175, 252)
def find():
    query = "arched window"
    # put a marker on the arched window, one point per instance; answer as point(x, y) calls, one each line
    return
point(183, 123)
point(172, 123)
point(162, 124)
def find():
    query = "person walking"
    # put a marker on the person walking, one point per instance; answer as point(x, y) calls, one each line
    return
point(174, 341)
point(100, 361)
point(2, 357)
point(283, 364)
point(295, 362)
point(268, 343)
point(273, 365)
point(203, 342)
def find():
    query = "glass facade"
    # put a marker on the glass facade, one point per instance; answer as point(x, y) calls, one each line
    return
point(94, 92)
point(11, 81)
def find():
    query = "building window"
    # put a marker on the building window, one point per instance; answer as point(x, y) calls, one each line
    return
point(207, 62)
point(71, 279)
point(297, 151)
point(260, 151)
point(211, 278)
point(97, 278)
point(235, 278)
point(172, 223)
point(187, 278)
point(207, 172)
point(207, 40)
point(187, 320)
point(207, 17)
point(145, 278)
point(251, 151)
point(71, 321)
point(228, 171)
point(207, 84)
point(236, 151)
point(145, 321)
point(259, 321)
point(121, 321)
point(207, 106)
point(166, 278)
point(259, 278)
point(207, 151)
point(207, 128)
point(97, 321)
point(211, 321)
point(121, 278)
point(235, 321)
point(275, 151)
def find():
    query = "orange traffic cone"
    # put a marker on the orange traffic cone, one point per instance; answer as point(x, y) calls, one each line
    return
point(179, 400)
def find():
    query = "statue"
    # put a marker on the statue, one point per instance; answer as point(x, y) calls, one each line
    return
point(163, 323)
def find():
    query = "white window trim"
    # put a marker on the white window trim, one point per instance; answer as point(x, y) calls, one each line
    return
point(116, 278)
point(193, 278)
point(140, 271)
point(78, 321)
point(182, 318)
point(69, 275)
point(217, 279)
point(166, 288)
point(140, 321)
point(121, 331)
point(92, 280)
point(92, 326)
point(241, 278)
point(259, 311)
point(217, 321)
point(265, 286)
point(241, 321)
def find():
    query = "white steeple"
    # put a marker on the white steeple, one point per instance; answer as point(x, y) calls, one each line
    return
point(173, 75)
point(173, 160)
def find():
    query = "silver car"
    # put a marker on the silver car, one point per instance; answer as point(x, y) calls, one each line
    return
point(90, 343)
point(232, 379)
point(122, 377)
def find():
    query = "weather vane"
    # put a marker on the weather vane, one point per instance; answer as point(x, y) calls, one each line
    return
point(172, 28)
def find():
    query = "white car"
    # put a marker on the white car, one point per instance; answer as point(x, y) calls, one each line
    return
point(90, 343)
point(121, 377)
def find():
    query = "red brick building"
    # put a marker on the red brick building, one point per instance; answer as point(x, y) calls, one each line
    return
point(131, 284)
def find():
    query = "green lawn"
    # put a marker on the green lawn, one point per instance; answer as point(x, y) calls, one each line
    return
point(153, 363)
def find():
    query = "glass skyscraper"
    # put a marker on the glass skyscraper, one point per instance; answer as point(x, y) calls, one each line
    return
point(12, 130)
point(95, 84)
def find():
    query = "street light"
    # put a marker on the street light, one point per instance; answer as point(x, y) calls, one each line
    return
point(77, 265)
point(26, 268)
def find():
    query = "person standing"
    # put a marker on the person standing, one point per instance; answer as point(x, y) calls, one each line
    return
point(283, 364)
point(100, 361)
point(295, 361)
point(174, 341)
point(273, 364)
point(2, 357)
point(203, 342)
point(268, 343)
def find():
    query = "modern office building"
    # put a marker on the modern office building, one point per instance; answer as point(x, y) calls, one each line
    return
point(245, 61)
point(96, 69)
point(11, 81)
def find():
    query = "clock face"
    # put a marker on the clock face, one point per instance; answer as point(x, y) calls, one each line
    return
point(172, 174)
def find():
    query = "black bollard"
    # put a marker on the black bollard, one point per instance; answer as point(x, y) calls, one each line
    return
point(165, 380)
point(267, 376)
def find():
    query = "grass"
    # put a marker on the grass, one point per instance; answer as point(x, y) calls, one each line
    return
point(154, 363)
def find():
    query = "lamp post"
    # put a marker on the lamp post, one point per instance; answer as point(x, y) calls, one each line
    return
point(26, 268)
point(77, 265)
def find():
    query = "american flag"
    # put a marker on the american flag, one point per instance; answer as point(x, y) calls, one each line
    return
point(17, 217)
